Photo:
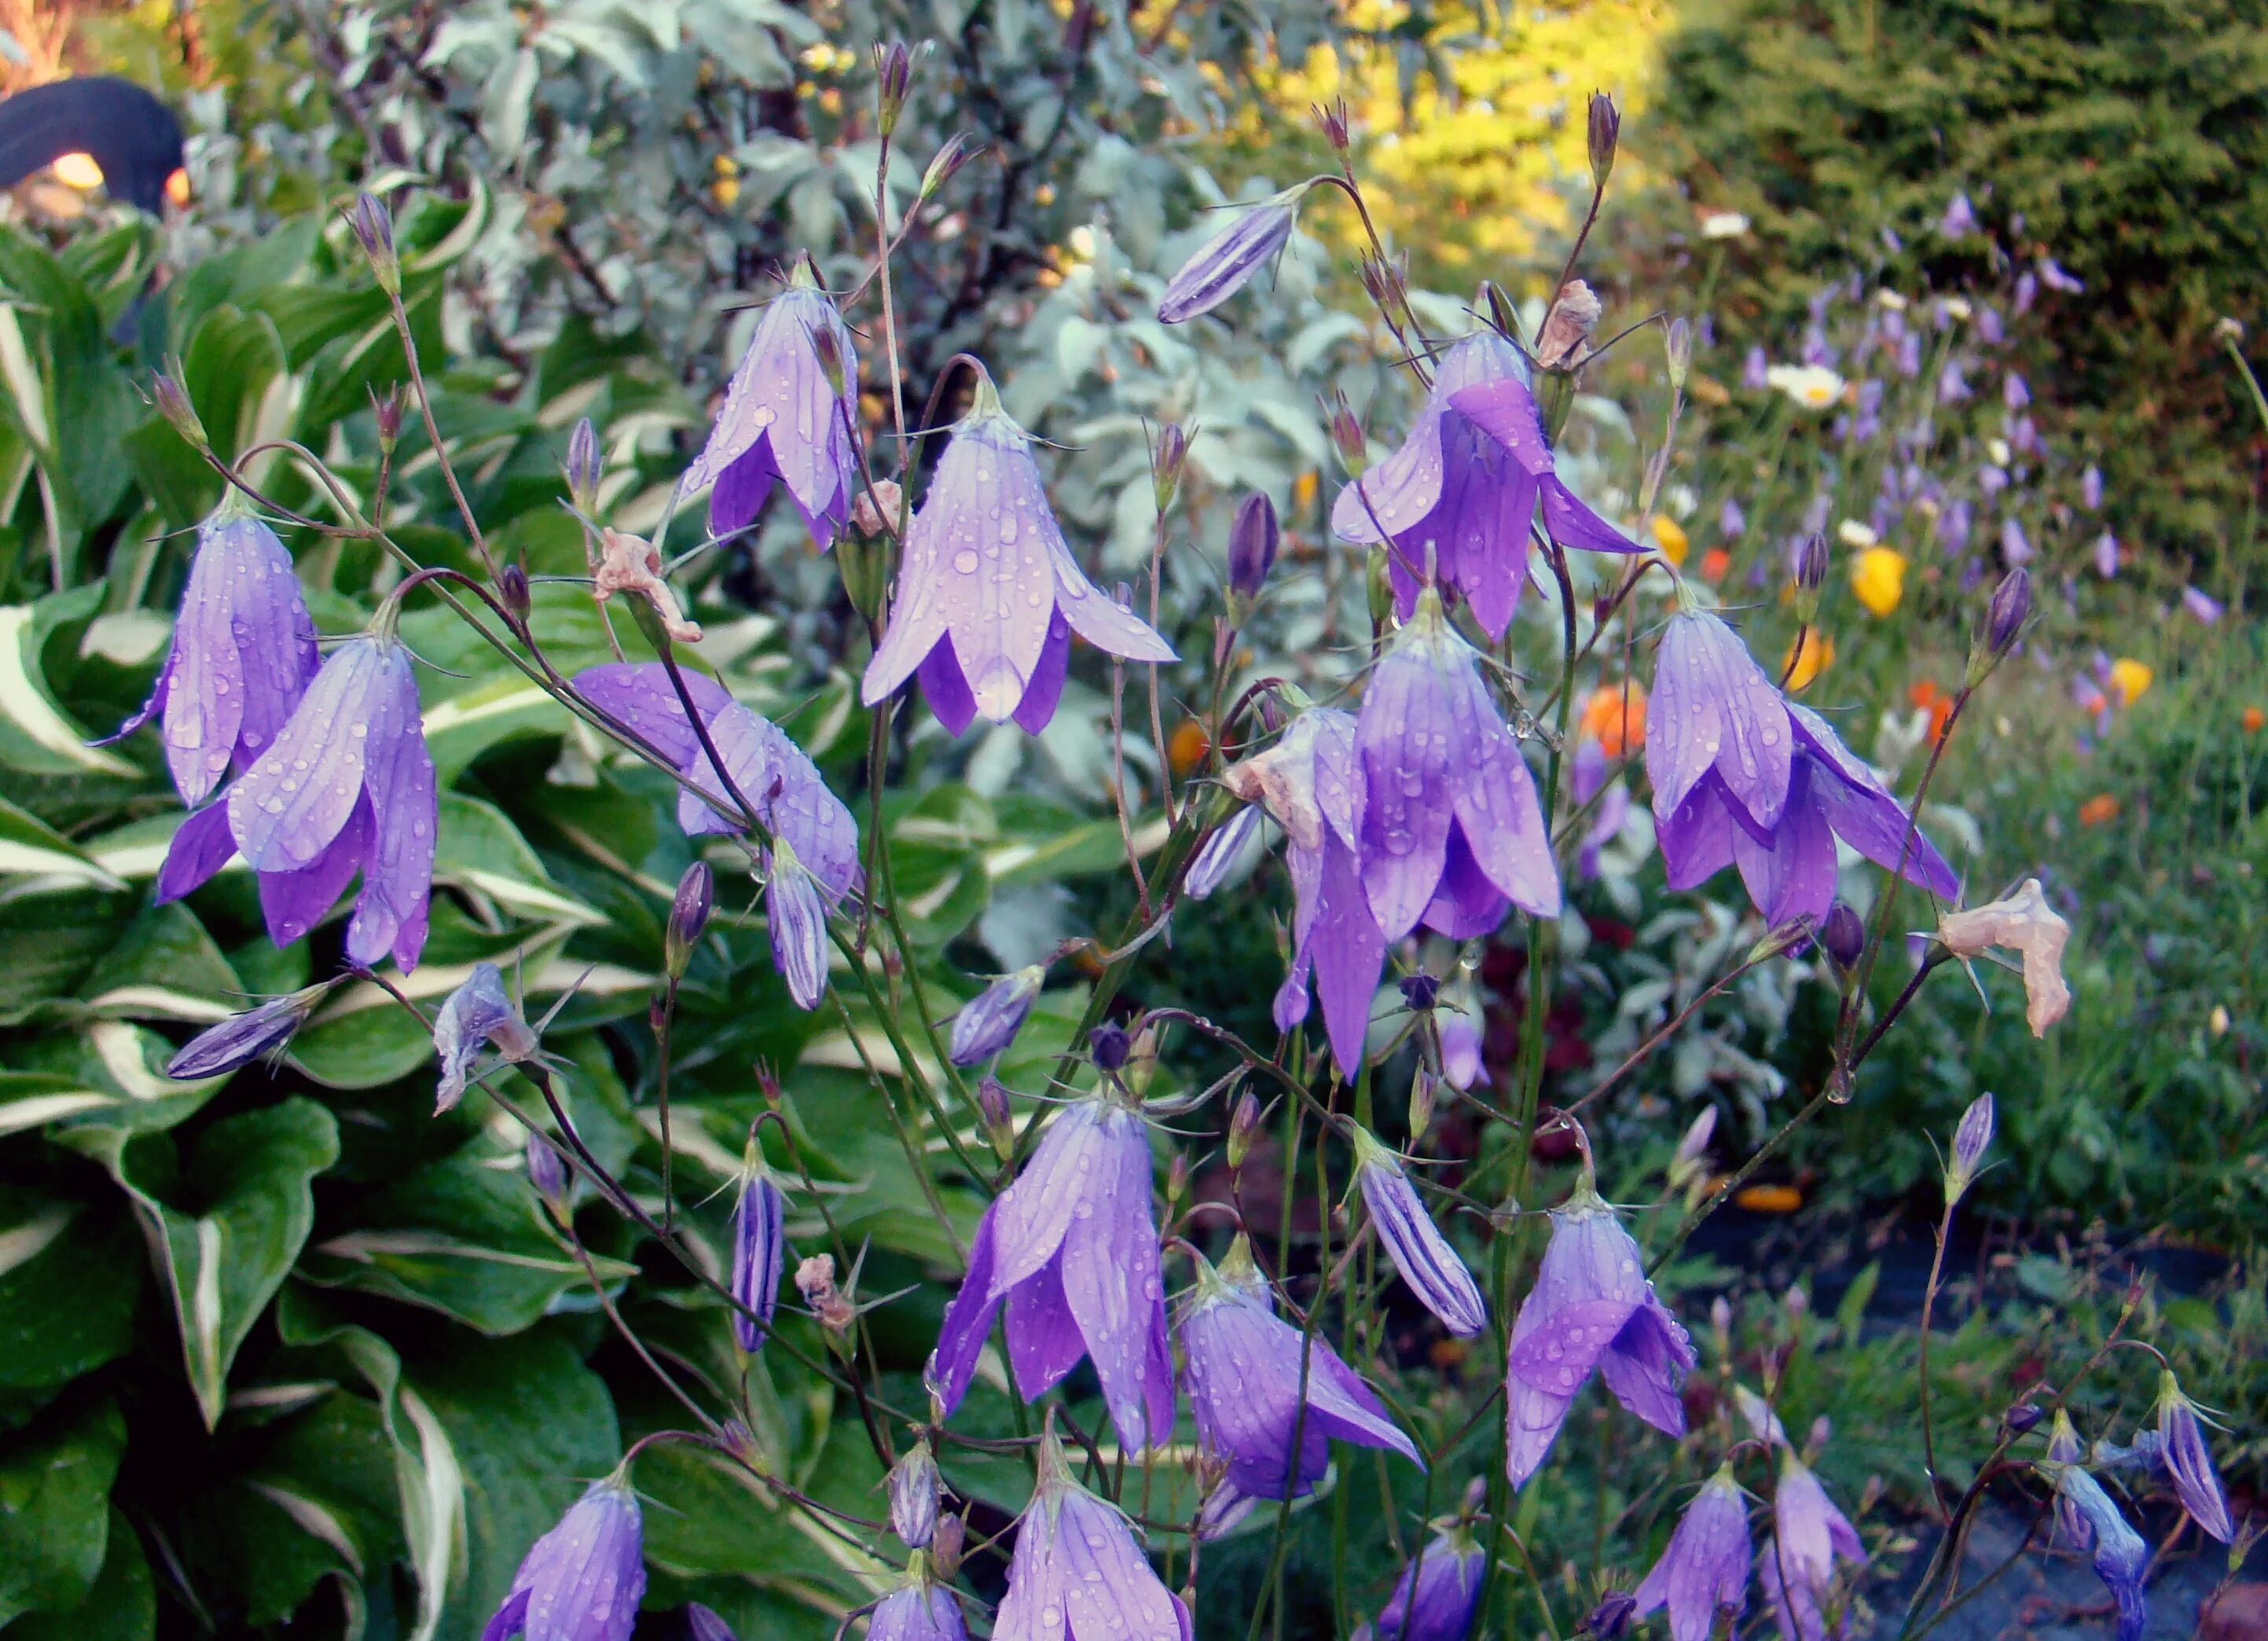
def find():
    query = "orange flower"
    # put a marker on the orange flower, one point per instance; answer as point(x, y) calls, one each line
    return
point(2254, 718)
point(1669, 536)
point(1768, 1199)
point(2101, 807)
point(1818, 655)
point(1187, 746)
point(1617, 726)
point(1933, 701)
point(1714, 563)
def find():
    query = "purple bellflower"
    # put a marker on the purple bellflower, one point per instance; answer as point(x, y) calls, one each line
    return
point(346, 785)
point(2203, 606)
point(1463, 1065)
point(988, 593)
point(1755, 369)
point(1797, 1565)
point(1438, 1593)
point(584, 1579)
point(796, 906)
point(477, 1014)
point(787, 419)
point(2189, 1461)
point(1591, 1307)
point(1244, 1377)
point(1458, 499)
point(2122, 1555)
point(2090, 488)
point(240, 1039)
point(1078, 1573)
point(1450, 830)
point(988, 1021)
point(1413, 1241)
point(242, 654)
point(1071, 1248)
point(1226, 263)
point(918, 1610)
point(1310, 781)
point(1222, 852)
point(1706, 1568)
point(759, 1248)
point(1960, 218)
point(1743, 777)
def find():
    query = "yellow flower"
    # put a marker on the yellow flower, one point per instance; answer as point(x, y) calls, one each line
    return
point(2130, 679)
point(1818, 655)
point(1878, 576)
point(1669, 536)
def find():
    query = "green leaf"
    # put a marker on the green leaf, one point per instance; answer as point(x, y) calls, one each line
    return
point(164, 966)
point(119, 1069)
point(252, 1173)
point(1851, 1314)
point(121, 1606)
point(227, 368)
point(937, 863)
point(70, 1275)
point(52, 941)
point(35, 737)
point(55, 1510)
point(42, 859)
point(482, 853)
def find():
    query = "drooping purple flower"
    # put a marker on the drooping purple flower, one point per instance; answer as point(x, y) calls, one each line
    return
point(2122, 1555)
point(2064, 1447)
point(240, 1039)
point(796, 907)
point(2189, 1461)
point(1909, 363)
point(584, 1579)
point(1960, 219)
point(1990, 330)
point(759, 1249)
point(475, 1015)
point(1451, 834)
point(988, 1021)
point(1755, 369)
point(2015, 546)
point(1218, 854)
point(1795, 1606)
point(1951, 386)
point(785, 422)
point(1706, 1568)
point(1732, 523)
point(919, 1611)
point(345, 786)
point(1458, 498)
point(1244, 1379)
point(1226, 263)
point(1462, 1065)
point(1310, 781)
point(1438, 1593)
point(1413, 1241)
point(2090, 488)
point(2015, 392)
point(1591, 1307)
point(1743, 777)
point(1810, 1535)
point(2027, 291)
point(2203, 607)
point(989, 594)
point(1071, 1248)
point(2106, 555)
point(2052, 274)
point(242, 654)
point(1078, 1573)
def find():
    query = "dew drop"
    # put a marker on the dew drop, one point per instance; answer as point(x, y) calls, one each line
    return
point(965, 561)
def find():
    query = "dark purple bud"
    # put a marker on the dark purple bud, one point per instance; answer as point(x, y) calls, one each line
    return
point(688, 917)
point(913, 1497)
point(1167, 457)
point(1606, 130)
point(1226, 263)
point(373, 226)
point(1969, 1141)
point(1243, 1122)
point(243, 1038)
point(1331, 117)
point(513, 591)
point(959, 149)
point(1842, 935)
point(1110, 1045)
point(174, 404)
point(1611, 1617)
point(584, 467)
point(2012, 603)
point(702, 1624)
point(1252, 542)
point(988, 1021)
point(546, 1172)
point(386, 414)
point(1418, 992)
point(1811, 563)
point(1218, 854)
point(999, 1119)
point(1347, 437)
point(2025, 1416)
point(759, 1249)
point(894, 73)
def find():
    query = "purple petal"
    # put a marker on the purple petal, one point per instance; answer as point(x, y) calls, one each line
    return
point(202, 845)
point(293, 902)
point(968, 1321)
point(1032, 1609)
point(1044, 1342)
point(1697, 837)
point(1347, 954)
point(640, 696)
point(291, 802)
point(1714, 708)
point(1404, 735)
point(1110, 1276)
point(1035, 1212)
point(1558, 1354)
point(1572, 524)
point(1037, 709)
point(397, 881)
point(1108, 1584)
point(946, 689)
point(1794, 878)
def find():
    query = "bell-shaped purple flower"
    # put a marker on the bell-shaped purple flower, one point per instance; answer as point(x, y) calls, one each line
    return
point(1226, 263)
point(2106, 555)
point(1078, 1573)
point(1244, 1381)
point(1810, 1535)
point(796, 907)
point(1462, 1064)
point(2188, 1462)
point(1743, 777)
point(759, 1249)
point(475, 1015)
point(1451, 834)
point(919, 1611)
point(787, 419)
point(2122, 1555)
point(1071, 1249)
point(1706, 1568)
point(1310, 781)
point(988, 1021)
point(2055, 277)
point(1438, 1593)
point(988, 593)
point(1456, 501)
point(2064, 1447)
point(240, 1039)
point(2090, 488)
point(242, 655)
point(1755, 369)
point(345, 786)
point(1591, 1307)
point(1413, 1241)
point(1960, 218)
point(584, 1579)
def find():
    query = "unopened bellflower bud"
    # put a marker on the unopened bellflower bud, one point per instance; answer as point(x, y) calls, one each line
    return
point(1167, 457)
point(2012, 603)
point(759, 1249)
point(243, 1038)
point(1110, 1045)
point(1969, 1141)
point(1677, 346)
point(989, 1022)
point(688, 917)
point(893, 72)
point(1842, 935)
point(1331, 119)
point(546, 1172)
point(172, 403)
point(1253, 538)
point(1218, 856)
point(913, 1497)
point(959, 149)
point(1347, 437)
point(385, 415)
point(1605, 132)
point(373, 227)
point(2189, 1461)
point(1812, 563)
point(1226, 263)
point(1243, 1122)
point(583, 466)
point(999, 1118)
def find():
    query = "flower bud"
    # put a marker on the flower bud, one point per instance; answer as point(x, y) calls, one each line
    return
point(688, 917)
point(828, 348)
point(2012, 602)
point(1378, 587)
point(1812, 563)
point(945, 1546)
point(1424, 1092)
point(1226, 263)
point(913, 1497)
point(1346, 435)
point(999, 1119)
point(1331, 117)
point(240, 1039)
point(1418, 992)
point(1110, 1045)
point(1167, 457)
point(1677, 344)
point(1218, 856)
point(1606, 130)
point(1177, 1181)
point(583, 466)
point(513, 592)
point(989, 1022)
point(894, 73)
point(1969, 1141)
point(373, 226)
point(703, 1624)
point(1242, 1123)
point(959, 149)
point(2023, 1416)
point(165, 392)
point(1611, 1617)
point(385, 415)
point(1253, 538)
point(1842, 935)
point(546, 1172)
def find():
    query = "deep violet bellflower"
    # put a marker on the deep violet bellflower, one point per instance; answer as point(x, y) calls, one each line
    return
point(1705, 1567)
point(1438, 1593)
point(1078, 1573)
point(243, 653)
point(1451, 833)
point(1420, 1253)
point(1458, 499)
point(1743, 777)
point(584, 1579)
point(1071, 1249)
point(2122, 1555)
point(1592, 1308)
point(1244, 1377)
point(345, 786)
point(989, 594)
point(786, 419)
point(759, 1248)
point(1309, 782)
